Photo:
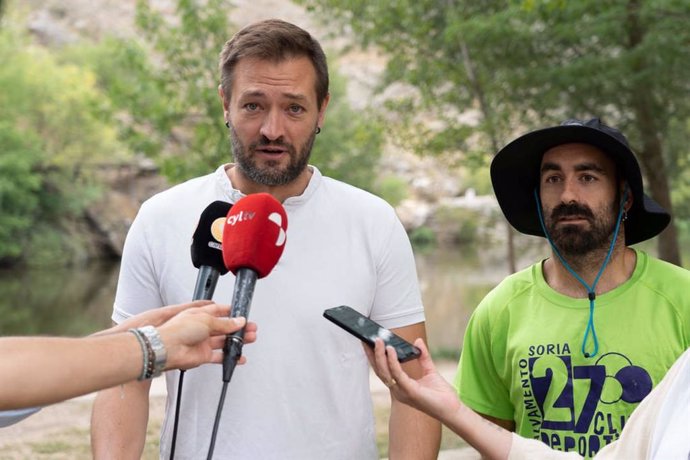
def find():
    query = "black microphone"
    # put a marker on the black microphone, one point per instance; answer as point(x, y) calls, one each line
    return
point(207, 256)
point(207, 249)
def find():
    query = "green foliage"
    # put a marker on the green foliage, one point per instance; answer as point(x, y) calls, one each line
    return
point(349, 146)
point(423, 237)
point(124, 72)
point(458, 225)
point(513, 66)
point(478, 178)
point(19, 188)
point(185, 49)
point(54, 127)
point(392, 189)
point(168, 106)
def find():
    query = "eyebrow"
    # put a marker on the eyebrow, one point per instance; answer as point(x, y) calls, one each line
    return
point(549, 166)
point(259, 93)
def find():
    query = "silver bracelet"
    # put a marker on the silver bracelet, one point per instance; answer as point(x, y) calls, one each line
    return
point(153, 350)
point(160, 354)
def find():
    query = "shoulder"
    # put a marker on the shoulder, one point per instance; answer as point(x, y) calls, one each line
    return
point(181, 193)
point(189, 197)
point(512, 287)
point(666, 282)
point(356, 207)
point(663, 277)
point(353, 197)
point(500, 303)
point(663, 269)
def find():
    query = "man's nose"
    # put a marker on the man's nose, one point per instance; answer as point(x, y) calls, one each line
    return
point(569, 193)
point(273, 125)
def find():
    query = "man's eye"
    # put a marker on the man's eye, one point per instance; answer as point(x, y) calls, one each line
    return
point(251, 106)
point(551, 179)
point(295, 109)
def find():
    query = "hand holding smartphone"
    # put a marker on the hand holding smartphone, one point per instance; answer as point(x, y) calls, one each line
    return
point(367, 330)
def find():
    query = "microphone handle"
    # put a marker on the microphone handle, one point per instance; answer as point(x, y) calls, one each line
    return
point(205, 286)
point(245, 281)
point(206, 282)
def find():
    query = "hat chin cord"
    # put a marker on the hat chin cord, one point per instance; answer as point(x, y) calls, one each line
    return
point(590, 290)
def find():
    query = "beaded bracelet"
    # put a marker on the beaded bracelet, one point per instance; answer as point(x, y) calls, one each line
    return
point(153, 349)
point(145, 350)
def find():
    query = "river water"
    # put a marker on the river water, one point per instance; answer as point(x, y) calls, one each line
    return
point(78, 301)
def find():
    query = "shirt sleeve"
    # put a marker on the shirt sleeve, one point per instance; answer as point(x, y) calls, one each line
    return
point(478, 381)
point(398, 301)
point(137, 286)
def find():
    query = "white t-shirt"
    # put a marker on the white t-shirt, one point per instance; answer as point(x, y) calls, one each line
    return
point(304, 392)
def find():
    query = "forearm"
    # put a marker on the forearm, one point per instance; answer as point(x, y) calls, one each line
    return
point(43, 370)
point(412, 434)
point(119, 420)
point(491, 441)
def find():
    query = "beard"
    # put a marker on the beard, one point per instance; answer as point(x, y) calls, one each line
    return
point(271, 174)
point(573, 240)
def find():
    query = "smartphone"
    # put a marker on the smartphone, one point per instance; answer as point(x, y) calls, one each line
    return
point(367, 330)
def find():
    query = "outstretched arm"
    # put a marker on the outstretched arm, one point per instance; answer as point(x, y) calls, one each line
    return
point(43, 370)
point(431, 394)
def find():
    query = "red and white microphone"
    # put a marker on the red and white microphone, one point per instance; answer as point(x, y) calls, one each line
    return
point(254, 237)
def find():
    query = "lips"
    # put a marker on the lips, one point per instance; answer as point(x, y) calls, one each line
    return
point(271, 150)
point(573, 219)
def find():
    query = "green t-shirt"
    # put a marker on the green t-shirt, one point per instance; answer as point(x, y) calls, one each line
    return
point(522, 358)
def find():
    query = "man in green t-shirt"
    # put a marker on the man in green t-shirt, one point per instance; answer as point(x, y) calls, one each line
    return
point(564, 350)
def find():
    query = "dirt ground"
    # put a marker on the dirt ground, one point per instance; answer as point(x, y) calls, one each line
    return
point(61, 431)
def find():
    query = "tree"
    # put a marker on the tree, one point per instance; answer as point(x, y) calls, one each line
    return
point(166, 91)
point(350, 144)
point(54, 126)
point(534, 63)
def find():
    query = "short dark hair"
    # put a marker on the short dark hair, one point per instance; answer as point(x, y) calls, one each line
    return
point(274, 40)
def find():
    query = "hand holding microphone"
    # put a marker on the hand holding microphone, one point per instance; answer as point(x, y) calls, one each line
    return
point(196, 335)
point(254, 237)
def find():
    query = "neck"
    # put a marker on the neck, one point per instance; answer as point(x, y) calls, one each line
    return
point(618, 270)
point(280, 192)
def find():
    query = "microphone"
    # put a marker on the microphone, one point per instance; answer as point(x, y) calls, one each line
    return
point(254, 237)
point(207, 254)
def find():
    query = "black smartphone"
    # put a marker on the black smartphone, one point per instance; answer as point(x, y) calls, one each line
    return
point(367, 330)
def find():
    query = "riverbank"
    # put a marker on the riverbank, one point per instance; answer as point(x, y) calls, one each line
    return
point(61, 431)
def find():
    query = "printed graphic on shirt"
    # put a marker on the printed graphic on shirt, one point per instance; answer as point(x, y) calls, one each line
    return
point(579, 407)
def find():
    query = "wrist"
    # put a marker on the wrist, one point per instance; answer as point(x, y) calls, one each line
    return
point(154, 353)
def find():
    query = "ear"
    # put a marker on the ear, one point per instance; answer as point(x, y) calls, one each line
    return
point(226, 103)
point(322, 110)
point(626, 197)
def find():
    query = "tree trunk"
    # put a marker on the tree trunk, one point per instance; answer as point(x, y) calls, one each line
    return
point(651, 153)
point(491, 132)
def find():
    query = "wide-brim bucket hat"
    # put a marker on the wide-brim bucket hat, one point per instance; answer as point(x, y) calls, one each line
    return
point(515, 172)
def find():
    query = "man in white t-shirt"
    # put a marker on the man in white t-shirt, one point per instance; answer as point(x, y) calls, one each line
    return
point(305, 394)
